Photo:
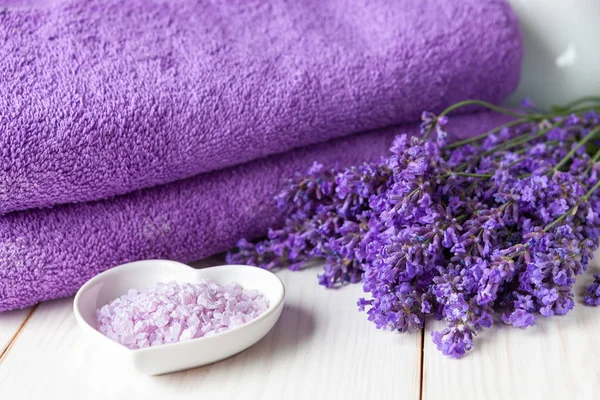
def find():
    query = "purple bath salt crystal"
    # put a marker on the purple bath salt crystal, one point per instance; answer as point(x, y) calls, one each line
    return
point(173, 312)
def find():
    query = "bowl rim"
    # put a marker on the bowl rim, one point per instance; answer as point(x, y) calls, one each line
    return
point(273, 308)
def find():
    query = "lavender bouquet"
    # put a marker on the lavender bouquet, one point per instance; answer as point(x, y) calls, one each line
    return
point(493, 227)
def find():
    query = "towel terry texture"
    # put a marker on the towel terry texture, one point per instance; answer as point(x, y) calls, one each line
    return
point(162, 129)
point(100, 98)
point(50, 253)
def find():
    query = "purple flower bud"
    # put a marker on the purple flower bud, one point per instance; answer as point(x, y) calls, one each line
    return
point(456, 234)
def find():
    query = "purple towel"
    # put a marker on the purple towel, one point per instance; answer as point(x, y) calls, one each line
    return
point(50, 253)
point(100, 98)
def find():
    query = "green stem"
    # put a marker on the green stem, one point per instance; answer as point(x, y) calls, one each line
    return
point(473, 175)
point(486, 134)
point(549, 143)
point(512, 164)
point(582, 142)
point(593, 161)
point(464, 165)
point(583, 100)
point(576, 111)
point(596, 156)
point(574, 209)
point(467, 174)
point(501, 110)
point(485, 104)
point(522, 139)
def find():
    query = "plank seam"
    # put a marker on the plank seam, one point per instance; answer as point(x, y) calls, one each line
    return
point(12, 341)
point(422, 376)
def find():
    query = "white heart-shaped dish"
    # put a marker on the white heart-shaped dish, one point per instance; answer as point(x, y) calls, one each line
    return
point(172, 357)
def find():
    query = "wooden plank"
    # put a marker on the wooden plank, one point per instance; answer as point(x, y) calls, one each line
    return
point(10, 323)
point(555, 359)
point(322, 347)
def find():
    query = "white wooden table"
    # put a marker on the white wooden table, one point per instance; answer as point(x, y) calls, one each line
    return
point(321, 348)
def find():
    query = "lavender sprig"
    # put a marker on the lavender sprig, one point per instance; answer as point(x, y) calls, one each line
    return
point(499, 224)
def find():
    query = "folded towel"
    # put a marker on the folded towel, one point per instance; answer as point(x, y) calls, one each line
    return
point(50, 253)
point(99, 98)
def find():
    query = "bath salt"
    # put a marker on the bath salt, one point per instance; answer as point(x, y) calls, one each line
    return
point(173, 312)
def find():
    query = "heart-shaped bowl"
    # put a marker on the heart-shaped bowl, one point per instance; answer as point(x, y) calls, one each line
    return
point(178, 356)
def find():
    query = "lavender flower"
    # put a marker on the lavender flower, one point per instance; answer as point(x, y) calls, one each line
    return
point(499, 224)
point(593, 297)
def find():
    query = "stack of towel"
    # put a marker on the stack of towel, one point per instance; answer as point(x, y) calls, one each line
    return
point(162, 129)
